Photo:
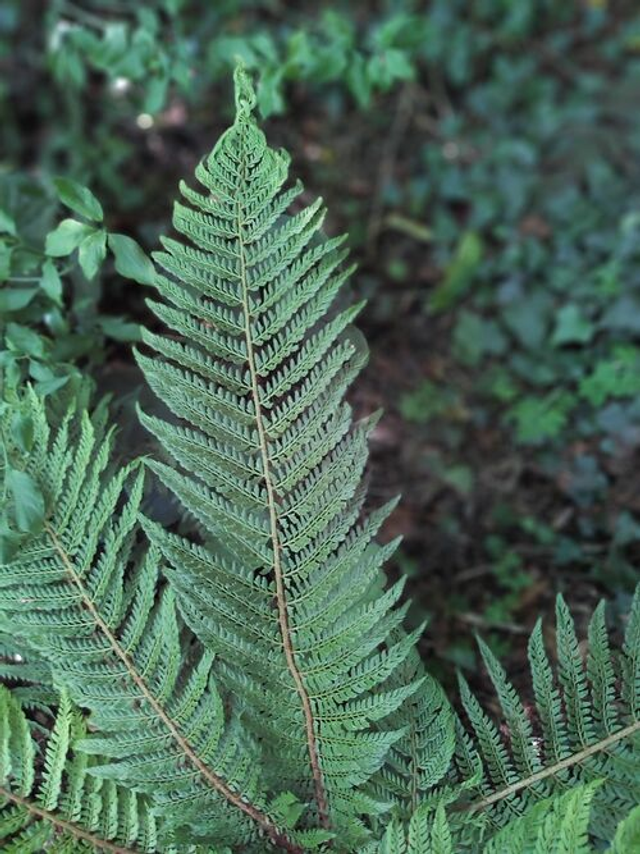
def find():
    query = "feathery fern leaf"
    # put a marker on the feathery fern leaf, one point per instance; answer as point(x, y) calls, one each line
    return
point(419, 760)
point(68, 811)
point(585, 727)
point(425, 833)
point(555, 825)
point(286, 587)
point(89, 601)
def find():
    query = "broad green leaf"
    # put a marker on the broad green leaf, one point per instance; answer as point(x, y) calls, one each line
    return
point(22, 431)
point(50, 282)
point(14, 299)
point(572, 327)
point(120, 329)
point(6, 252)
point(92, 252)
point(9, 542)
point(23, 340)
point(28, 500)
point(615, 377)
point(7, 223)
point(539, 418)
point(67, 237)
point(627, 838)
point(79, 198)
point(130, 259)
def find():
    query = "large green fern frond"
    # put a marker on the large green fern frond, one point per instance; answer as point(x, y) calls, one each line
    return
point(83, 594)
point(583, 726)
point(67, 811)
point(285, 585)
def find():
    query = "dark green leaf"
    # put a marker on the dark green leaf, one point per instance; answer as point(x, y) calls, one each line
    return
point(13, 299)
point(28, 501)
point(22, 431)
point(67, 237)
point(120, 329)
point(23, 340)
point(572, 327)
point(92, 252)
point(7, 223)
point(79, 198)
point(50, 282)
point(130, 259)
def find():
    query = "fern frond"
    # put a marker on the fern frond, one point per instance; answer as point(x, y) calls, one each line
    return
point(27, 674)
point(68, 810)
point(285, 589)
point(585, 726)
point(91, 602)
point(418, 761)
point(556, 825)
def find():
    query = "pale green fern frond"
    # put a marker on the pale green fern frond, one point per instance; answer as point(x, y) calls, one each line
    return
point(285, 585)
point(584, 726)
point(91, 602)
point(68, 811)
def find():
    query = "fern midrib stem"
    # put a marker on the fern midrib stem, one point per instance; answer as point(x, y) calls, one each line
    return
point(67, 826)
point(414, 770)
point(281, 596)
point(276, 836)
point(575, 759)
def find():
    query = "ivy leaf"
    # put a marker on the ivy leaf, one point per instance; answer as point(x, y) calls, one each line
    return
point(131, 260)
point(540, 418)
point(79, 198)
point(572, 327)
point(50, 282)
point(92, 252)
point(615, 377)
point(28, 501)
point(67, 237)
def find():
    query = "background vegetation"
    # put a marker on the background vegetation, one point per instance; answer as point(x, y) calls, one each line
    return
point(485, 159)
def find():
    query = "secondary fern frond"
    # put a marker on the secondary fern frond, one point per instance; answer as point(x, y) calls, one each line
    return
point(418, 761)
point(286, 586)
point(555, 825)
point(92, 604)
point(585, 726)
point(69, 811)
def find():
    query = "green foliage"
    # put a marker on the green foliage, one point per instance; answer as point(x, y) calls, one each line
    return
point(114, 638)
point(584, 727)
point(67, 810)
point(249, 681)
point(536, 339)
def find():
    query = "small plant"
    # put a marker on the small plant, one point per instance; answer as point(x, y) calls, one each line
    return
point(243, 682)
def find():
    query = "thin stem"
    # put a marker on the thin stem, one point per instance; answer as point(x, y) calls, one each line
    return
point(216, 782)
point(575, 759)
point(66, 826)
